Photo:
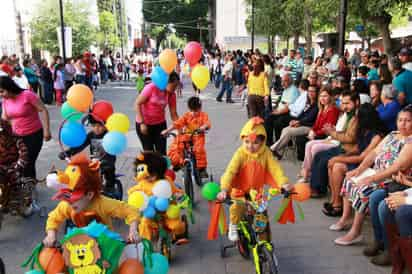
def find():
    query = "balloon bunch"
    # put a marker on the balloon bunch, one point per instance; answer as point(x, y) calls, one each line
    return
point(79, 102)
point(158, 202)
point(199, 73)
point(167, 62)
point(300, 193)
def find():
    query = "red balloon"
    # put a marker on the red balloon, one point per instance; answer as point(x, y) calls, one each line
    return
point(193, 53)
point(101, 110)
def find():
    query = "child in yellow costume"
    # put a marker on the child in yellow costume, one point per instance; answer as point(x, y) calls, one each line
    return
point(150, 169)
point(79, 188)
point(252, 167)
point(194, 119)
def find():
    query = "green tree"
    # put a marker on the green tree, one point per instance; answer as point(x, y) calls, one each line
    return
point(46, 21)
point(183, 15)
point(107, 37)
point(380, 13)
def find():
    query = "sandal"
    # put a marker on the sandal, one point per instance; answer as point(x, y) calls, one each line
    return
point(333, 211)
point(327, 205)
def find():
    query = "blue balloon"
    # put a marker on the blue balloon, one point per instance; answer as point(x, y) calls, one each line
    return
point(168, 162)
point(160, 265)
point(152, 201)
point(149, 212)
point(160, 78)
point(35, 271)
point(162, 204)
point(73, 134)
point(114, 143)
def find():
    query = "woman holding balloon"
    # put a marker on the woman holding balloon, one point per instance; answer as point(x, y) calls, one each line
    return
point(22, 108)
point(150, 108)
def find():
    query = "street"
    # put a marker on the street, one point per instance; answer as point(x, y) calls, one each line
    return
point(305, 247)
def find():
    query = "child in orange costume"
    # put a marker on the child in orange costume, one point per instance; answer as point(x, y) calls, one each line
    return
point(252, 167)
point(194, 119)
point(150, 169)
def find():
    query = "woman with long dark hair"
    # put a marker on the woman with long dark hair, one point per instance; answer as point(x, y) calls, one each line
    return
point(22, 108)
point(258, 89)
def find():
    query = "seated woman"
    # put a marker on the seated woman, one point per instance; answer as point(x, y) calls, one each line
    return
point(300, 125)
point(396, 213)
point(370, 132)
point(328, 114)
point(388, 158)
point(344, 134)
point(375, 90)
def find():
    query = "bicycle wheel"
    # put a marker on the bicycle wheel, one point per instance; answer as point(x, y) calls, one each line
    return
point(243, 246)
point(188, 183)
point(196, 177)
point(268, 263)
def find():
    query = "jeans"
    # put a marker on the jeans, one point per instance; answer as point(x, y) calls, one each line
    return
point(319, 177)
point(47, 92)
point(375, 199)
point(402, 217)
point(275, 123)
point(226, 87)
point(218, 80)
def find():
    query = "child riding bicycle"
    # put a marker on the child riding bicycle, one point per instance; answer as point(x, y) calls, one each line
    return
point(251, 168)
point(150, 170)
point(94, 139)
point(193, 120)
point(78, 190)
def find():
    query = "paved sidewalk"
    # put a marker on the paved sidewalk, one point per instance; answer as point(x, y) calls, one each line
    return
point(305, 247)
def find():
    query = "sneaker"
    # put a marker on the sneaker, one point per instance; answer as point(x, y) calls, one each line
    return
point(233, 234)
point(218, 99)
point(203, 173)
point(230, 101)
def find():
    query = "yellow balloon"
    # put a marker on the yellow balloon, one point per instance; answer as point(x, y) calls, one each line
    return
point(173, 212)
point(200, 76)
point(136, 199)
point(168, 60)
point(118, 122)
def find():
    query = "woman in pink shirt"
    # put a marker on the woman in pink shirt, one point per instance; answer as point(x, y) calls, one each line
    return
point(150, 107)
point(21, 108)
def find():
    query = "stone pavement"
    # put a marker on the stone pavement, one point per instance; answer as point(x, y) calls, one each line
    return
point(305, 247)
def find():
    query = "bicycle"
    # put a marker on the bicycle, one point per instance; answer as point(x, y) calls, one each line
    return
point(190, 172)
point(254, 233)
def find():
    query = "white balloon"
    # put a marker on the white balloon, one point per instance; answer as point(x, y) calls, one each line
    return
point(53, 182)
point(132, 251)
point(162, 189)
point(145, 203)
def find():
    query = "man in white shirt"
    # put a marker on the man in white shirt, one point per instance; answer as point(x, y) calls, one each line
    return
point(20, 79)
point(227, 85)
point(332, 66)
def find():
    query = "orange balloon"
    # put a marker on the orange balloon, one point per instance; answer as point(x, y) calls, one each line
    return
point(302, 192)
point(51, 260)
point(168, 60)
point(131, 266)
point(80, 97)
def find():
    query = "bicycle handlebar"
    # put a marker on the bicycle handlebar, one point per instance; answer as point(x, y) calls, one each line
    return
point(194, 133)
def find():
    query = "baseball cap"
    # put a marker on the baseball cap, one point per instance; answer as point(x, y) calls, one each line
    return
point(69, 195)
point(405, 52)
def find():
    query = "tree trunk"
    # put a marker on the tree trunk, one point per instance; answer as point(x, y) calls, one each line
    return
point(382, 23)
point(308, 30)
point(296, 41)
point(269, 44)
point(287, 42)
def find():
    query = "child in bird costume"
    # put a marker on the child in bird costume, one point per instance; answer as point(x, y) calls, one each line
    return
point(252, 167)
point(78, 190)
point(151, 171)
point(194, 119)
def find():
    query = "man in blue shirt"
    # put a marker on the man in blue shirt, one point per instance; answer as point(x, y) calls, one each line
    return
point(402, 81)
point(390, 107)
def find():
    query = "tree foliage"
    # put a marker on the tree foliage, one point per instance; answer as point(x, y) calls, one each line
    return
point(182, 15)
point(46, 20)
point(107, 37)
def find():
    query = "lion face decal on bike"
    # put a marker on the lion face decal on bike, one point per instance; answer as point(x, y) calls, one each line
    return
point(81, 253)
point(141, 172)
